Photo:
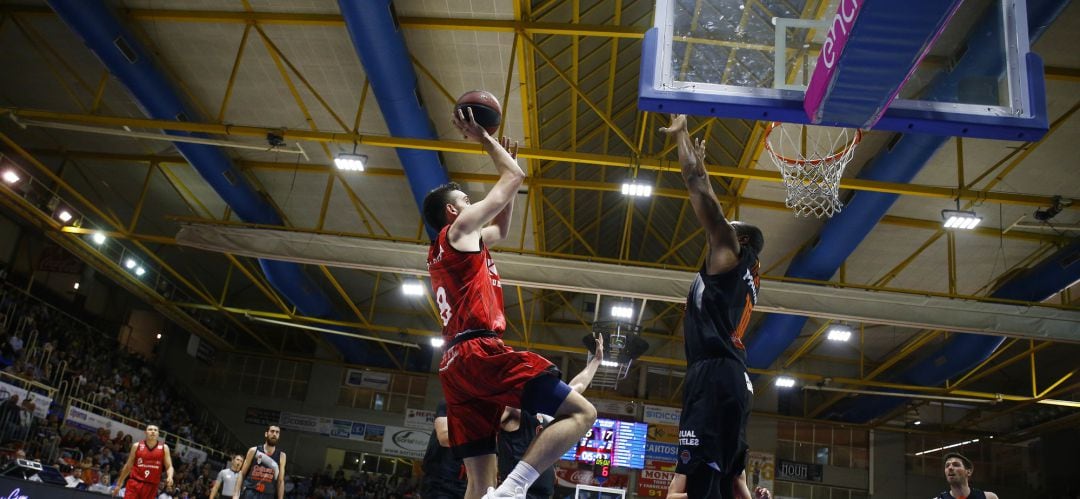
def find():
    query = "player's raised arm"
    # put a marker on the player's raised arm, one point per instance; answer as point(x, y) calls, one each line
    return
point(498, 203)
point(723, 242)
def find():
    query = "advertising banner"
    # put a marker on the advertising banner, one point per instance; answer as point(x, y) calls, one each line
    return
point(405, 442)
point(419, 419)
point(656, 414)
point(760, 470)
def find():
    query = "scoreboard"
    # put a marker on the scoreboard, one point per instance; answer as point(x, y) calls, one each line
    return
point(613, 443)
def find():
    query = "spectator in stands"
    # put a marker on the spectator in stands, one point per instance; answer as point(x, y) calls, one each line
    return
point(16, 344)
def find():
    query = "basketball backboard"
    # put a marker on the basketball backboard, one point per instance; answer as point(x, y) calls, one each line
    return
point(753, 59)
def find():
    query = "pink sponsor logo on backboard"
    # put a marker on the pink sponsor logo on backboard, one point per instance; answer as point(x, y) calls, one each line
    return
point(835, 39)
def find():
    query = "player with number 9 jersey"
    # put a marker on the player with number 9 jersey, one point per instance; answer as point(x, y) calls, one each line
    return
point(144, 465)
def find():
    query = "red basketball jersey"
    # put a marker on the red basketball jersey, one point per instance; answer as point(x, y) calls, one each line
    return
point(148, 462)
point(467, 288)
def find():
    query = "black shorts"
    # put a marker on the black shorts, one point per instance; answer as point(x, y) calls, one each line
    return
point(717, 396)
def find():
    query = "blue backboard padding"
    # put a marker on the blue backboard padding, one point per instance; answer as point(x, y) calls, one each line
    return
point(787, 106)
point(887, 41)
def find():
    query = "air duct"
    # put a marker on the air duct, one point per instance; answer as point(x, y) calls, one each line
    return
point(379, 42)
point(129, 62)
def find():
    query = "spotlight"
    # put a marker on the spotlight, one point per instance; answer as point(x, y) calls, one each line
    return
point(11, 177)
point(609, 363)
point(139, 271)
point(129, 264)
point(64, 216)
point(917, 422)
point(785, 381)
point(960, 219)
point(635, 189)
point(437, 342)
point(350, 162)
point(76, 286)
point(412, 288)
point(98, 238)
point(622, 311)
point(159, 336)
point(839, 332)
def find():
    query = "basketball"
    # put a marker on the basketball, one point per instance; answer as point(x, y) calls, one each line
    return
point(485, 108)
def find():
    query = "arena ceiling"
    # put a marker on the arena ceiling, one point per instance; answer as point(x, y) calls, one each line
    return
point(567, 74)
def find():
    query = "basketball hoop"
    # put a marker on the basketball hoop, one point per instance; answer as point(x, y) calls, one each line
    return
point(812, 160)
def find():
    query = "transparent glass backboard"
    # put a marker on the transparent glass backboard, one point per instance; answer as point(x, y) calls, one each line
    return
point(754, 59)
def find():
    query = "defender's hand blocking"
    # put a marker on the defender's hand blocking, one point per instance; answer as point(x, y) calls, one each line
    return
point(468, 126)
point(678, 124)
point(762, 493)
point(511, 146)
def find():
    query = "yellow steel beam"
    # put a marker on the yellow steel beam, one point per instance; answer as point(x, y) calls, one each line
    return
point(327, 194)
point(577, 90)
point(808, 344)
point(528, 153)
point(233, 73)
point(142, 197)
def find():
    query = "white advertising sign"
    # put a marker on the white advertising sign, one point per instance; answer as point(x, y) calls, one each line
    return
point(405, 442)
point(656, 414)
point(419, 419)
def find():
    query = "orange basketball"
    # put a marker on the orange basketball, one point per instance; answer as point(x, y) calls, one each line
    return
point(485, 109)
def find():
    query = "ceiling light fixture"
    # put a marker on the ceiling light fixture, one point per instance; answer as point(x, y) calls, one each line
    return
point(839, 332)
point(139, 271)
point(64, 216)
point(622, 311)
point(98, 238)
point(412, 288)
point(960, 219)
point(437, 342)
point(350, 162)
point(609, 363)
point(785, 381)
point(129, 264)
point(635, 189)
point(11, 177)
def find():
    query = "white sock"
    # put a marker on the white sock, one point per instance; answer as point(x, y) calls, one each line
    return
point(523, 476)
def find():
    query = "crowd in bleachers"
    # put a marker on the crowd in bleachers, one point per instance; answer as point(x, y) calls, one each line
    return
point(40, 344)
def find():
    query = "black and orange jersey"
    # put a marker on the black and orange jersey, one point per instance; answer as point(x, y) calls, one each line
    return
point(718, 310)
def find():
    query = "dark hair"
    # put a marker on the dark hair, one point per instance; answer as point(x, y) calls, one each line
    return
point(957, 455)
point(757, 239)
point(435, 205)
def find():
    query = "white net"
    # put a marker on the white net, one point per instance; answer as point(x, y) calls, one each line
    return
point(811, 159)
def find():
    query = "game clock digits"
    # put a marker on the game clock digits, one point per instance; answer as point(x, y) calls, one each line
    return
point(611, 443)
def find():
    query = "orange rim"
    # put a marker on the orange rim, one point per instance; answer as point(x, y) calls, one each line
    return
point(792, 161)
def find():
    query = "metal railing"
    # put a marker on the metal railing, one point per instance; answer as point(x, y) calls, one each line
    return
point(120, 418)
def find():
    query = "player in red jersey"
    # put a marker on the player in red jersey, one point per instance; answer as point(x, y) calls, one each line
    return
point(480, 375)
point(144, 464)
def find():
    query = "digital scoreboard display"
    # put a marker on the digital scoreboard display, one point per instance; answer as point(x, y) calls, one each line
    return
point(612, 443)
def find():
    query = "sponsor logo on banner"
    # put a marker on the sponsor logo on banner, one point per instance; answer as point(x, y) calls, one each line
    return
point(760, 470)
point(405, 442)
point(374, 433)
point(299, 422)
point(661, 451)
point(357, 432)
point(655, 478)
point(85, 420)
point(419, 418)
point(41, 402)
point(664, 433)
point(368, 379)
point(656, 414)
point(620, 408)
point(572, 476)
point(793, 470)
point(341, 429)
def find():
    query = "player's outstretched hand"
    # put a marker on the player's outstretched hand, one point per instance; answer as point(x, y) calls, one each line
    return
point(762, 493)
point(678, 124)
point(599, 355)
point(511, 146)
point(466, 123)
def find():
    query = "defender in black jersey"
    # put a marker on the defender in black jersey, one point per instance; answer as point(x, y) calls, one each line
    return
point(518, 428)
point(717, 391)
point(958, 470)
point(444, 474)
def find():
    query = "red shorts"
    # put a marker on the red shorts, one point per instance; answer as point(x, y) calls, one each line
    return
point(480, 377)
point(135, 489)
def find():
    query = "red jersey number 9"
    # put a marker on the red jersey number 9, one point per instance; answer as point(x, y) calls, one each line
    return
point(444, 307)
